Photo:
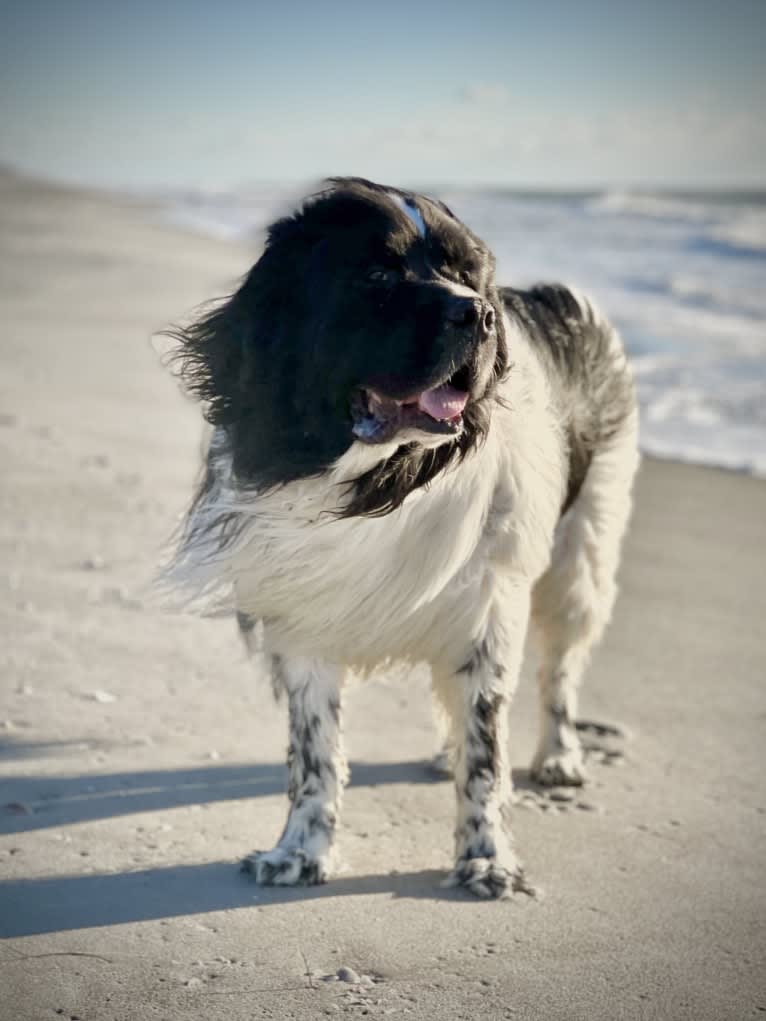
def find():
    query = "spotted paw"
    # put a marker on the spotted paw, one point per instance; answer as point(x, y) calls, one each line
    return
point(488, 878)
point(286, 866)
point(562, 769)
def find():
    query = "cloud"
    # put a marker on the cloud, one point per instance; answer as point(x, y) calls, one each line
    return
point(491, 94)
point(504, 142)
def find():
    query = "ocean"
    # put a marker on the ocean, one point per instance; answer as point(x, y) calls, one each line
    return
point(681, 274)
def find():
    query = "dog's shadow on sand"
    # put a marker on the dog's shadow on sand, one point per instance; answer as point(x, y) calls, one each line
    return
point(64, 903)
point(31, 907)
point(41, 802)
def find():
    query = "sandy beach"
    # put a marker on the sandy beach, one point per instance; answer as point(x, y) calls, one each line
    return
point(140, 757)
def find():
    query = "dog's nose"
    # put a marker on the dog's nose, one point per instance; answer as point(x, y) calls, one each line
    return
point(467, 312)
point(462, 311)
point(487, 320)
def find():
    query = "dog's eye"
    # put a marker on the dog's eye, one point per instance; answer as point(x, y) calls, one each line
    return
point(469, 276)
point(381, 275)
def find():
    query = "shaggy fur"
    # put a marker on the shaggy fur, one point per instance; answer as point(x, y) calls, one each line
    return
point(406, 464)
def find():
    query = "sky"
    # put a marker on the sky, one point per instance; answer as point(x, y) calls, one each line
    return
point(149, 94)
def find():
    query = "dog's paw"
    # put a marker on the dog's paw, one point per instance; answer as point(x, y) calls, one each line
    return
point(561, 769)
point(488, 878)
point(286, 866)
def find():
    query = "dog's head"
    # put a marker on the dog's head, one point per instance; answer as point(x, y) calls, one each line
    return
point(372, 317)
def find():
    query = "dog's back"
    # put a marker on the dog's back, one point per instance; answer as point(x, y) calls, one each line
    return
point(587, 371)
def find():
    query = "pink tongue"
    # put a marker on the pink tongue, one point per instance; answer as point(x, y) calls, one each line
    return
point(443, 403)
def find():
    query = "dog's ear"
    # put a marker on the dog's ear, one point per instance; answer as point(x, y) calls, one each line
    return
point(244, 359)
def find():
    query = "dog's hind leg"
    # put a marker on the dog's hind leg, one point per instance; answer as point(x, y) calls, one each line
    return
point(573, 601)
point(475, 696)
point(317, 772)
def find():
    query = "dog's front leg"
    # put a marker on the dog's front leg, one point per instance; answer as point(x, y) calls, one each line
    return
point(317, 772)
point(476, 697)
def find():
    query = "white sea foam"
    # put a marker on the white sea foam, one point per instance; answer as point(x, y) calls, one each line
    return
point(682, 277)
point(746, 232)
point(659, 207)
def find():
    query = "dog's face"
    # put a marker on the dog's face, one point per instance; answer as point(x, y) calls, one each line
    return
point(403, 315)
point(371, 317)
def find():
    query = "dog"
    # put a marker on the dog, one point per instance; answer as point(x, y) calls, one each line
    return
point(408, 463)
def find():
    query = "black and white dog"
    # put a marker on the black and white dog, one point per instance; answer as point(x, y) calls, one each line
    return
point(408, 462)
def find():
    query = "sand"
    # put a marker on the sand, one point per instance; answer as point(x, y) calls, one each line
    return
point(141, 755)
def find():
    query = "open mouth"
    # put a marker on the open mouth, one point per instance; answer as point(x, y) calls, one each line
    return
point(378, 418)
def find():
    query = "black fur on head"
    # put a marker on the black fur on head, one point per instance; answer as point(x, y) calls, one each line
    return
point(372, 315)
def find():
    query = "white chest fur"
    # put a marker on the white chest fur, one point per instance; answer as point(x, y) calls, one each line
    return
point(364, 590)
